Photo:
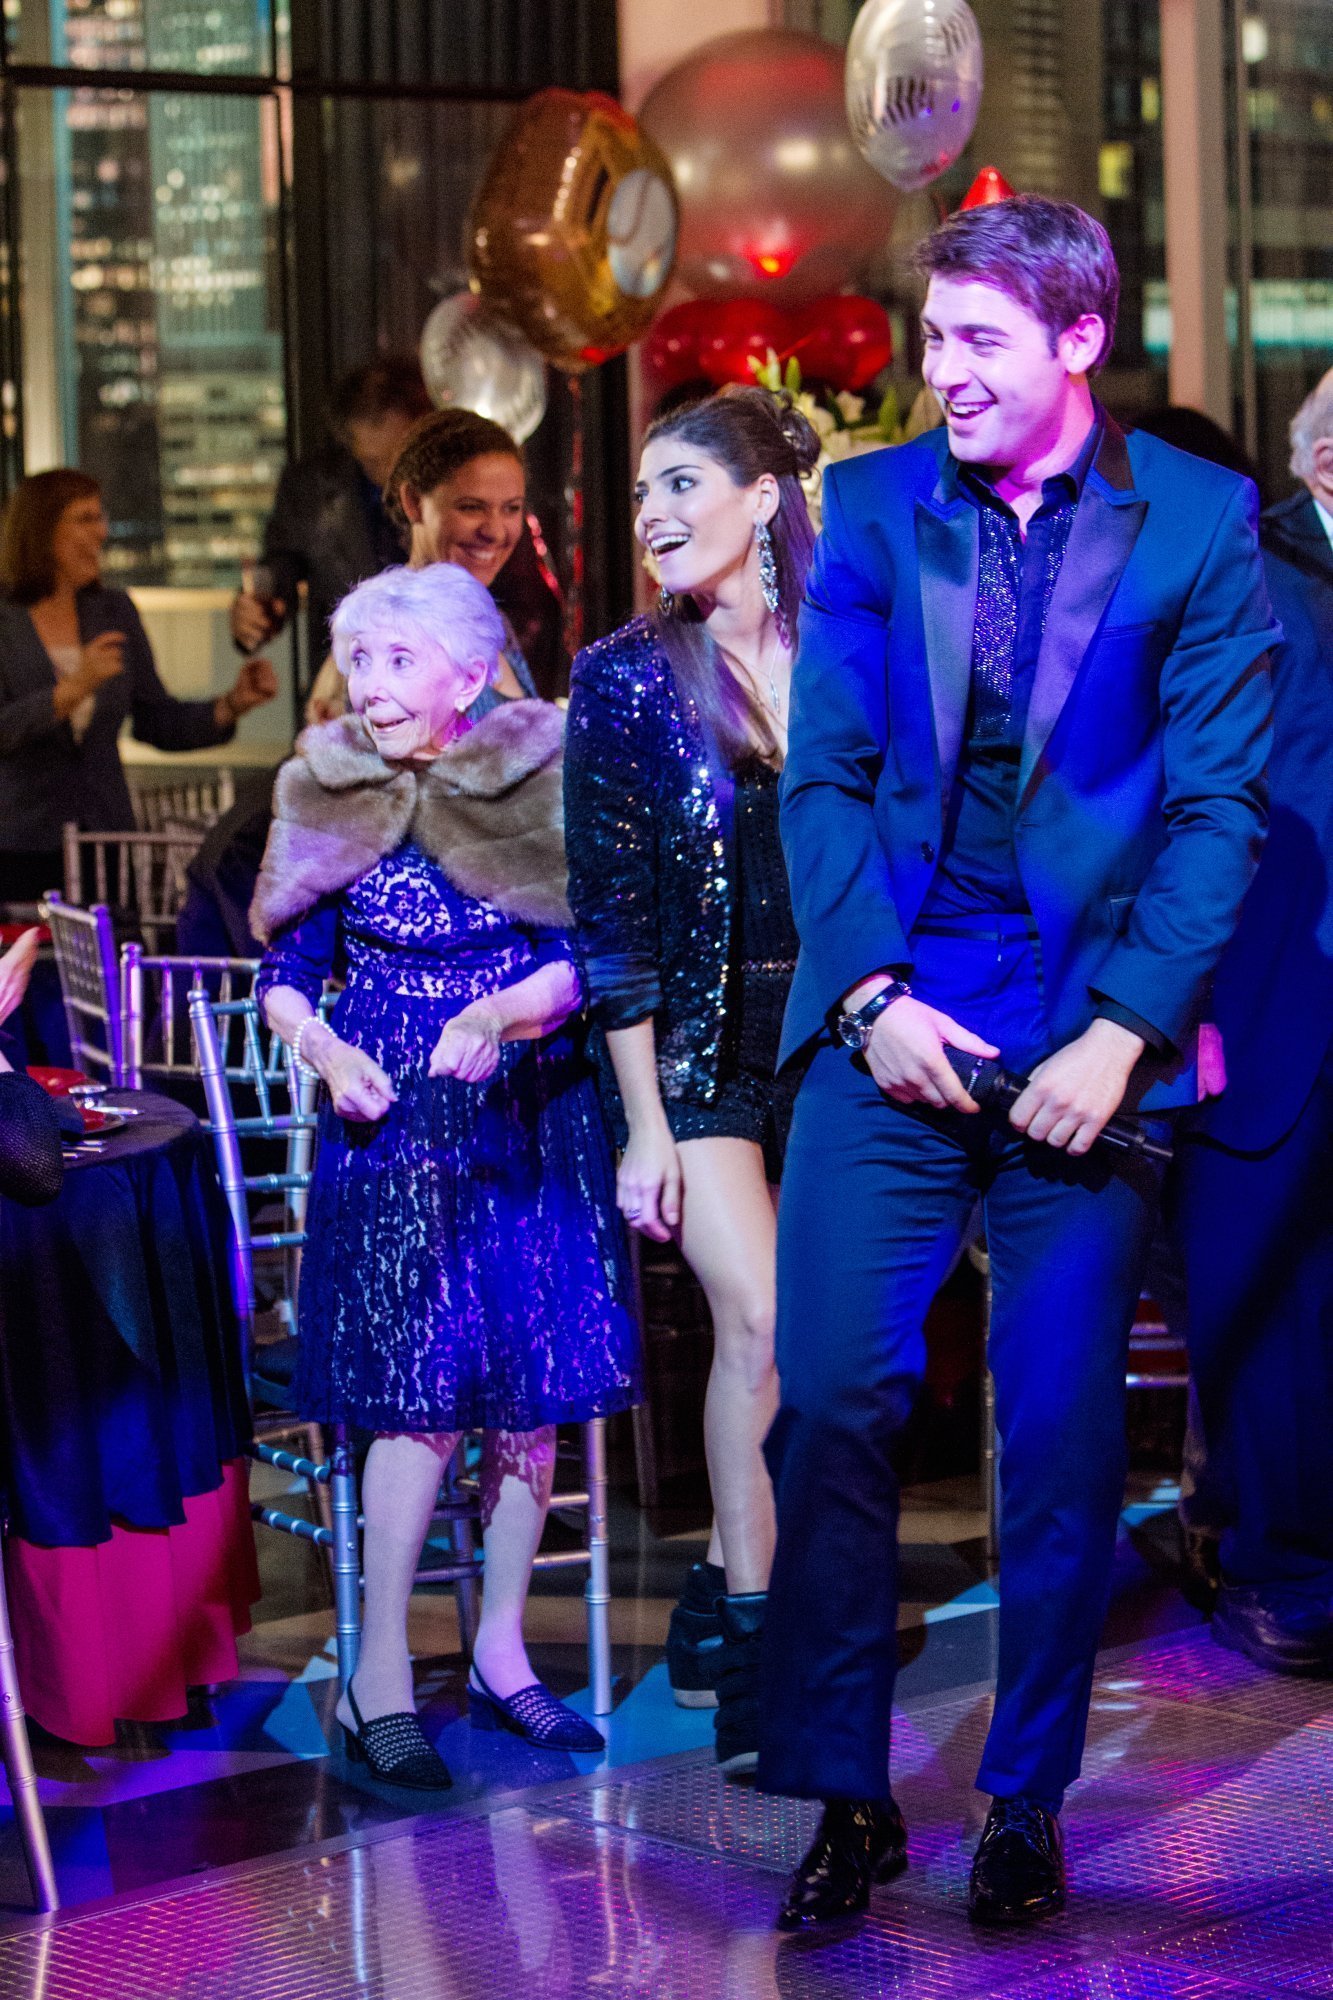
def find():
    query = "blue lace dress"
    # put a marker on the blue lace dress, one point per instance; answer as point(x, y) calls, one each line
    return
point(466, 1267)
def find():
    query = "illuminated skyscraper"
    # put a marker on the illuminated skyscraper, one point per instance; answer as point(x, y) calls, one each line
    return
point(177, 352)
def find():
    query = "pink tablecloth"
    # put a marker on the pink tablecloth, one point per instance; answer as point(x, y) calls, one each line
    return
point(122, 1629)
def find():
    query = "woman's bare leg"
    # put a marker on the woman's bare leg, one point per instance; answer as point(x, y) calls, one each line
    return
point(399, 1488)
point(517, 1469)
point(728, 1237)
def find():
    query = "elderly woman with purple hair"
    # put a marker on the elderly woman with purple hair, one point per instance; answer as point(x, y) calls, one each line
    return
point(466, 1268)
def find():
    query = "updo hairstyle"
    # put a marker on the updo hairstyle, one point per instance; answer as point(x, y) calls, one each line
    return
point(439, 446)
point(748, 432)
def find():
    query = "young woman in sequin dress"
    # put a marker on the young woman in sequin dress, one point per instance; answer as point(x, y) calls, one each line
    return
point(677, 729)
point(466, 1268)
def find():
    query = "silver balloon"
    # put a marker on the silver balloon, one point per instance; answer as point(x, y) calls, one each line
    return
point(472, 357)
point(914, 74)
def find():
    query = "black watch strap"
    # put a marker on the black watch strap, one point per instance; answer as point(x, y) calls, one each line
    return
point(854, 1028)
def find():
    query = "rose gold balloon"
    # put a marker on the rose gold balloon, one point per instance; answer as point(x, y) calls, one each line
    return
point(775, 200)
point(574, 230)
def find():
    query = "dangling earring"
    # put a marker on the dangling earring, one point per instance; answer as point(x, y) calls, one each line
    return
point(666, 603)
point(768, 567)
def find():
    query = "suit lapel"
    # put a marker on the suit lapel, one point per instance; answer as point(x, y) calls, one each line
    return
point(947, 536)
point(1106, 526)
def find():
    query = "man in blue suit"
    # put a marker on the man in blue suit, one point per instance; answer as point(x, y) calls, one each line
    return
point(1023, 802)
point(1253, 1186)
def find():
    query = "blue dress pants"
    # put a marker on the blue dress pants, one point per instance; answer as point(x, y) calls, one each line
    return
point(875, 1199)
point(1257, 1234)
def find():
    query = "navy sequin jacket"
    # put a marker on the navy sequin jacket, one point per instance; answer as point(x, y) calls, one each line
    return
point(648, 831)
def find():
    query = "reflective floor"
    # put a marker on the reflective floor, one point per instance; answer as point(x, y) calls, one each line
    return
point(1200, 1847)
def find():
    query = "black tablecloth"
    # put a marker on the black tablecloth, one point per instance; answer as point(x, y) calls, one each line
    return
point(121, 1388)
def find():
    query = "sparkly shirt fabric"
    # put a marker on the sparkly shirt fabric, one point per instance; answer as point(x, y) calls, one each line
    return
point(1016, 577)
point(466, 1267)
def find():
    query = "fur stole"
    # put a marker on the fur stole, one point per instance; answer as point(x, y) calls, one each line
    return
point(488, 810)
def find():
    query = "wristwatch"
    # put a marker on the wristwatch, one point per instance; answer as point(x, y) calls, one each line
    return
point(854, 1028)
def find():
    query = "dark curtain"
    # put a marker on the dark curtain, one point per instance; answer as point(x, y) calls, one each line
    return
point(382, 182)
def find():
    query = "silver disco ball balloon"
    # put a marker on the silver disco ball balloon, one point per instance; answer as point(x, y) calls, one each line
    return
point(473, 358)
point(914, 75)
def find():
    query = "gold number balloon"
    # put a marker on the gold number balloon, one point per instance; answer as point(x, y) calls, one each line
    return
point(574, 230)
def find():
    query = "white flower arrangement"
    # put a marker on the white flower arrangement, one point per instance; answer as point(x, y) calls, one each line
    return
point(839, 419)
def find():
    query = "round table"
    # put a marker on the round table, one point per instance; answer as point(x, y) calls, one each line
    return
point(123, 1422)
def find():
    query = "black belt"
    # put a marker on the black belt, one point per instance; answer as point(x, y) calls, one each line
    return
point(1004, 924)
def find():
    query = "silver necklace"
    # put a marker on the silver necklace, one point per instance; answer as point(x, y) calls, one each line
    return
point(769, 673)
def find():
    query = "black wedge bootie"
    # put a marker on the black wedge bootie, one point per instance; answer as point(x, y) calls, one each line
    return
point(736, 1724)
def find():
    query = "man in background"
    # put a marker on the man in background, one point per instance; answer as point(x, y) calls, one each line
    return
point(1254, 1209)
point(329, 528)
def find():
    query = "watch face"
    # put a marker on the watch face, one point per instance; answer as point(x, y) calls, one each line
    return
point(852, 1033)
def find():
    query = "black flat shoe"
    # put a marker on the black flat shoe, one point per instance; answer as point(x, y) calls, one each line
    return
point(694, 1638)
point(1018, 1873)
point(1286, 1629)
point(395, 1751)
point(534, 1714)
point(859, 1842)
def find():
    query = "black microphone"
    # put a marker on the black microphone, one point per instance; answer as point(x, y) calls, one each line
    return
point(991, 1085)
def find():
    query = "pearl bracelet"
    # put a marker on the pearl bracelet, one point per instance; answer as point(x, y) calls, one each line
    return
point(310, 1021)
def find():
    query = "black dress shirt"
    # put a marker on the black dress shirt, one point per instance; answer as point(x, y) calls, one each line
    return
point(977, 875)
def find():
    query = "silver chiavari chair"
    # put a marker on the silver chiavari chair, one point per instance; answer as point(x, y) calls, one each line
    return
point(230, 1039)
point(85, 953)
point(193, 801)
point(16, 1756)
point(157, 1039)
point(143, 875)
point(158, 1044)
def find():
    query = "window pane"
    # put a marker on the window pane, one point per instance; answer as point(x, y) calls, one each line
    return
point(201, 36)
point(1072, 108)
point(1288, 59)
point(152, 339)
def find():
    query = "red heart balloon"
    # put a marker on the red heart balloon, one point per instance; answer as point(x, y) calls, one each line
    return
point(714, 339)
point(843, 340)
point(671, 349)
point(742, 330)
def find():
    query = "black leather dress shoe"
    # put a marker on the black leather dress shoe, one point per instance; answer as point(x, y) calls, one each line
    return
point(1018, 1873)
point(1201, 1567)
point(1289, 1630)
point(859, 1842)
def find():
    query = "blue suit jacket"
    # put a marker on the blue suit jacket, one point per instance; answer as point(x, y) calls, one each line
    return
point(1141, 802)
point(1273, 996)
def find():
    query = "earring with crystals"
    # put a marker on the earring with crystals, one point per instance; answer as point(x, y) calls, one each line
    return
point(768, 566)
point(666, 603)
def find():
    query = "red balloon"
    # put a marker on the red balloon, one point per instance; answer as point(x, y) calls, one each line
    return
point(714, 340)
point(843, 341)
point(671, 348)
point(990, 185)
point(742, 330)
